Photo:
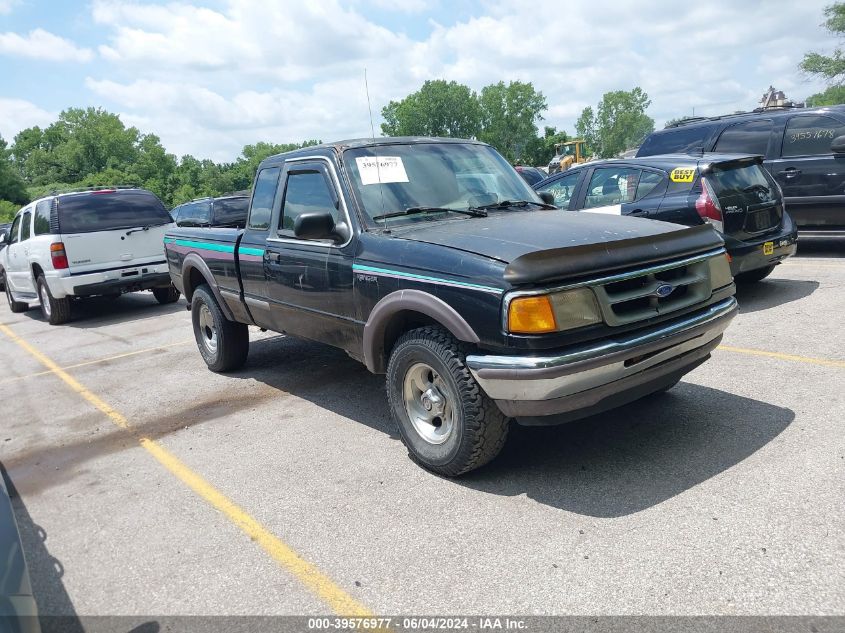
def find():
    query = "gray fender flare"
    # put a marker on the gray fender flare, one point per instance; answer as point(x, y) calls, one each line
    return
point(409, 301)
point(193, 261)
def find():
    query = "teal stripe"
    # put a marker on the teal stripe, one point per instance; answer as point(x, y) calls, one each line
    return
point(208, 246)
point(246, 250)
point(399, 273)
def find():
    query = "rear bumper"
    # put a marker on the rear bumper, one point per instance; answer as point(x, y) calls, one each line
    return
point(129, 279)
point(749, 255)
point(601, 375)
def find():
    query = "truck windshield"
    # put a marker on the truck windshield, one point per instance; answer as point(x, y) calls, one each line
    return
point(390, 179)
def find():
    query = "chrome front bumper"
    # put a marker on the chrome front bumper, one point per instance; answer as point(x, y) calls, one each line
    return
point(583, 376)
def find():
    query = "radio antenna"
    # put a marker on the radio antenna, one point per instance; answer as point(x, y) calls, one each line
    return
point(373, 137)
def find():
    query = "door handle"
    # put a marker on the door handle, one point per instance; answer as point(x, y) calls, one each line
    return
point(638, 212)
point(790, 172)
point(274, 258)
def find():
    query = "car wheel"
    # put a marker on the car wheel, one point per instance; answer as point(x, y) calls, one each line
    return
point(448, 424)
point(753, 276)
point(2, 279)
point(15, 306)
point(224, 345)
point(55, 311)
point(166, 295)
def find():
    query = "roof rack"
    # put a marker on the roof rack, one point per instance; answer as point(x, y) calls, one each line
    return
point(56, 192)
point(785, 106)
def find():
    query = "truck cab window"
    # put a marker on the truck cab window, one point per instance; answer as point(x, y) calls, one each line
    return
point(263, 198)
point(306, 192)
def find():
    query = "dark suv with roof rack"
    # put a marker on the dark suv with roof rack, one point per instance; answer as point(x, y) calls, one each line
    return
point(225, 211)
point(803, 149)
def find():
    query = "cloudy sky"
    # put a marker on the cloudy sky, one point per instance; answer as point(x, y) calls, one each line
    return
point(209, 76)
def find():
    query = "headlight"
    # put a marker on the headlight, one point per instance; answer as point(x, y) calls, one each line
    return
point(720, 271)
point(540, 314)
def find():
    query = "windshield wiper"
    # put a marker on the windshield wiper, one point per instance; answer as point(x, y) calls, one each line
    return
point(144, 228)
point(505, 204)
point(476, 212)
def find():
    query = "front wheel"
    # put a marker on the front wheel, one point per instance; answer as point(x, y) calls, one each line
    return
point(166, 295)
point(224, 345)
point(446, 421)
point(56, 311)
point(754, 275)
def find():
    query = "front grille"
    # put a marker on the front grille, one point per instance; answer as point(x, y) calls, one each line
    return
point(649, 294)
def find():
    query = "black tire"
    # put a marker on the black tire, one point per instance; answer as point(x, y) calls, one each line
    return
point(477, 429)
point(166, 295)
point(753, 276)
point(2, 279)
point(230, 340)
point(55, 311)
point(15, 306)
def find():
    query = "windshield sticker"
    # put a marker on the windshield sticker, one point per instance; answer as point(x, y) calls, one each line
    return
point(386, 168)
point(682, 174)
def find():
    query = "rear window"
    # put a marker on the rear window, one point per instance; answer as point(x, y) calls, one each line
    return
point(231, 211)
point(90, 212)
point(675, 141)
point(744, 187)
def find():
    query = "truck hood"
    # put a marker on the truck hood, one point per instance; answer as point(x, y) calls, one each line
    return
point(540, 246)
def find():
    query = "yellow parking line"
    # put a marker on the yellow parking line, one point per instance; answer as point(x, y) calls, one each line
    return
point(801, 359)
point(308, 574)
point(97, 361)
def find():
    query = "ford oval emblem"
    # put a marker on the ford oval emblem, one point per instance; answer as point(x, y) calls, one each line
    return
point(664, 290)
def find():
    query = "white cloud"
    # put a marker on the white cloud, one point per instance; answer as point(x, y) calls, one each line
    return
point(18, 114)
point(41, 44)
point(209, 80)
point(7, 5)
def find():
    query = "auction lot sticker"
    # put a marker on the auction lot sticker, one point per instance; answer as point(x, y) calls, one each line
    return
point(682, 174)
point(384, 169)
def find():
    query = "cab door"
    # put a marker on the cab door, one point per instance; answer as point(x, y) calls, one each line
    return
point(310, 281)
point(811, 175)
point(18, 274)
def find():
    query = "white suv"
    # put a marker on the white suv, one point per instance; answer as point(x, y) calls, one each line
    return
point(87, 243)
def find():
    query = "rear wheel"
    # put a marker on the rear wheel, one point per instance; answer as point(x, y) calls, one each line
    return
point(56, 311)
point(15, 306)
point(166, 295)
point(2, 279)
point(754, 275)
point(224, 345)
point(446, 421)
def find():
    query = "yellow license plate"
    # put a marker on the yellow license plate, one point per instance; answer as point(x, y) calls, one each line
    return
point(768, 248)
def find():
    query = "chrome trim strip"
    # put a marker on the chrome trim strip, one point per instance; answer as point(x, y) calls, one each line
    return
point(714, 312)
point(257, 303)
point(598, 281)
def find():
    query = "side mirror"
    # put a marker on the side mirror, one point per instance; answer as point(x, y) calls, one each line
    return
point(838, 145)
point(547, 196)
point(316, 226)
point(3, 237)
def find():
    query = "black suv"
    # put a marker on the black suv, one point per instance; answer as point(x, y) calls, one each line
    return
point(227, 211)
point(803, 148)
point(731, 192)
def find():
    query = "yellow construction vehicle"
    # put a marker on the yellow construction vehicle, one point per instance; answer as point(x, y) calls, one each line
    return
point(567, 154)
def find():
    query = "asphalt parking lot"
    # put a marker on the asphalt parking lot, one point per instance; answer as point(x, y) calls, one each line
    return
point(148, 485)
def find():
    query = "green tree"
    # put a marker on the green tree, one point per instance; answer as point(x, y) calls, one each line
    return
point(834, 95)
point(540, 150)
point(439, 108)
point(12, 187)
point(831, 67)
point(619, 122)
point(509, 115)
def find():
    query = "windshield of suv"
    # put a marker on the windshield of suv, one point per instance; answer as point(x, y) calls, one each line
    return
point(431, 179)
point(110, 210)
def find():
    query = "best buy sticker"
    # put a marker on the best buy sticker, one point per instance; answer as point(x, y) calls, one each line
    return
point(682, 174)
point(381, 169)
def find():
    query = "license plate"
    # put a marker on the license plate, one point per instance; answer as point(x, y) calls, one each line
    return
point(768, 248)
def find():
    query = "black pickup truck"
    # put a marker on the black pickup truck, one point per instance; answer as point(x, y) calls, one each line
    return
point(432, 261)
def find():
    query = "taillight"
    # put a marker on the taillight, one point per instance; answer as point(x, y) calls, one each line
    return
point(707, 206)
point(58, 255)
